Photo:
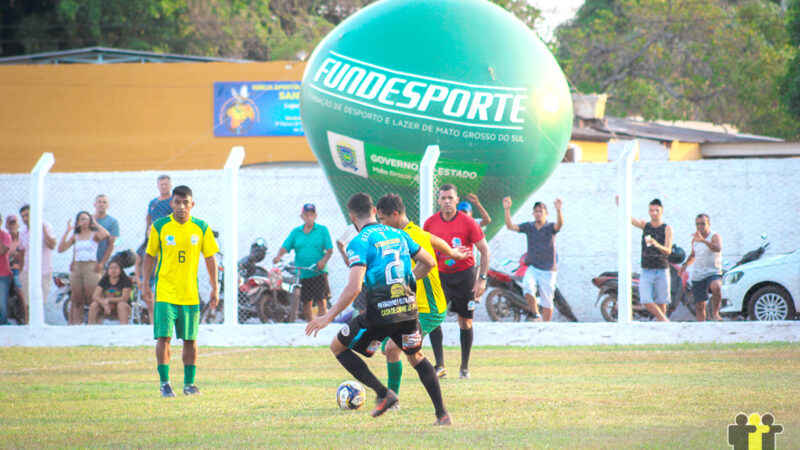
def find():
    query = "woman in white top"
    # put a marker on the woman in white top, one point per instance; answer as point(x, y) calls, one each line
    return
point(85, 270)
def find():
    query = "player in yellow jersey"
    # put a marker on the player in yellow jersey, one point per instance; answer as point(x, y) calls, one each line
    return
point(431, 302)
point(178, 241)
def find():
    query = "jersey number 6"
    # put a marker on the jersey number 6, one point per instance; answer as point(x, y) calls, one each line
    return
point(181, 256)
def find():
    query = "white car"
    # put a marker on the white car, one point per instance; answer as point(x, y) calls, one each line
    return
point(765, 289)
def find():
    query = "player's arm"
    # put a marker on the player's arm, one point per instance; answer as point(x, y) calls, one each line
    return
point(211, 267)
point(424, 263)
point(147, 271)
point(507, 215)
point(441, 246)
point(480, 284)
point(350, 292)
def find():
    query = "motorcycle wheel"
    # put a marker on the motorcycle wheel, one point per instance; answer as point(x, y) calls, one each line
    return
point(501, 308)
point(770, 303)
point(608, 307)
point(563, 307)
point(208, 315)
point(276, 307)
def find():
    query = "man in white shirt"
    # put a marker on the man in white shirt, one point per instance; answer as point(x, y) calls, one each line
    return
point(48, 244)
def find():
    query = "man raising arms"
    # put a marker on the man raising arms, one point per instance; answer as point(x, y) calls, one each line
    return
point(461, 284)
point(179, 240)
point(380, 260)
point(431, 302)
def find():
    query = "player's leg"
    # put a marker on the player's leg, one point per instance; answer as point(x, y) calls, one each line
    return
point(449, 283)
point(356, 337)
point(186, 328)
point(410, 338)
point(464, 306)
point(394, 368)
point(163, 324)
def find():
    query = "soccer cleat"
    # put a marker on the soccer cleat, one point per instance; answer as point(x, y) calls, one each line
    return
point(166, 390)
point(384, 403)
point(464, 374)
point(441, 372)
point(443, 421)
point(191, 390)
point(395, 407)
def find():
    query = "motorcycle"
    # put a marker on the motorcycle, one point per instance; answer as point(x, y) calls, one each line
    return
point(505, 301)
point(680, 291)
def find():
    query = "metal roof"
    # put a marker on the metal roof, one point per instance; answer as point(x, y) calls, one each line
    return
point(105, 55)
point(611, 127)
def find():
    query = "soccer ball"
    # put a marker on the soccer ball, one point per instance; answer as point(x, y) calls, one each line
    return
point(350, 395)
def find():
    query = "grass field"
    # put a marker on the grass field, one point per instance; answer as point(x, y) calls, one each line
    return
point(578, 397)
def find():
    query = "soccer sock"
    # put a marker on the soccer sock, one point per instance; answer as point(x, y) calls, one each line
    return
point(431, 382)
point(358, 368)
point(395, 370)
point(189, 373)
point(163, 372)
point(436, 342)
point(466, 347)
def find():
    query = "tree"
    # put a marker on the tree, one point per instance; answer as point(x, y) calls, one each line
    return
point(708, 60)
point(790, 82)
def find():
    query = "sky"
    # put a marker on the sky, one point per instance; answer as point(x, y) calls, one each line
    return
point(554, 12)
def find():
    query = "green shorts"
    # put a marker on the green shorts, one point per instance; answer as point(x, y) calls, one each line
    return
point(427, 322)
point(184, 318)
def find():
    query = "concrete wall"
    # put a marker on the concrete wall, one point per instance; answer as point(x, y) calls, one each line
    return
point(744, 197)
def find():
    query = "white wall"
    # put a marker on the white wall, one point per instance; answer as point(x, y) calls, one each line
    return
point(744, 197)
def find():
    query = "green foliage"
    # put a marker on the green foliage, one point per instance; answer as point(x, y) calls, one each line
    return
point(708, 60)
point(790, 82)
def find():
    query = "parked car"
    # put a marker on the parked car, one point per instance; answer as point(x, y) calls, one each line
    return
point(765, 289)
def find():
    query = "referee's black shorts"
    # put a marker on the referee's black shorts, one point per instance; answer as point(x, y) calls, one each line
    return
point(457, 289)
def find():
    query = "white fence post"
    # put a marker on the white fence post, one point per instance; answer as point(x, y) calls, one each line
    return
point(426, 170)
point(624, 313)
point(35, 221)
point(231, 238)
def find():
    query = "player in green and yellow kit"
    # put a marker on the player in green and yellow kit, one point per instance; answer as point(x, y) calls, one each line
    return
point(431, 302)
point(178, 241)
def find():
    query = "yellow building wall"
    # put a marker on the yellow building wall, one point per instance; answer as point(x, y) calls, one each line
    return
point(592, 151)
point(129, 116)
point(684, 151)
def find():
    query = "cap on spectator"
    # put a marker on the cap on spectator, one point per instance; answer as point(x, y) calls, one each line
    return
point(11, 219)
point(309, 207)
point(464, 206)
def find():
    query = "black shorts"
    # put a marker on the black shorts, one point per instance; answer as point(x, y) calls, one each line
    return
point(457, 289)
point(356, 335)
point(315, 289)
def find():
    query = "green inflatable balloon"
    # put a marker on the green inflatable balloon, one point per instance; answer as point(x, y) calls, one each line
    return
point(465, 75)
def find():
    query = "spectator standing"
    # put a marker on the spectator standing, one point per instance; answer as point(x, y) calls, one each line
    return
point(84, 275)
point(707, 269)
point(48, 245)
point(106, 247)
point(311, 243)
point(15, 258)
point(656, 248)
point(466, 208)
point(160, 206)
point(6, 277)
point(112, 295)
point(541, 257)
point(463, 285)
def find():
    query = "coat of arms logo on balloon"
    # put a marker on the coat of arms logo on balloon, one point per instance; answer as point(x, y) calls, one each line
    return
point(465, 75)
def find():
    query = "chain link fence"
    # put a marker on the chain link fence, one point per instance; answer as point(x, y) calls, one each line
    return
point(744, 199)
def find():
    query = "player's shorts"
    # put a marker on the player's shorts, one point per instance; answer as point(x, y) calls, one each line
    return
point(357, 336)
point(315, 288)
point(184, 318)
point(427, 322)
point(457, 289)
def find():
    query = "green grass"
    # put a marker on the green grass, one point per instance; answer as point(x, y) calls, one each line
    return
point(680, 396)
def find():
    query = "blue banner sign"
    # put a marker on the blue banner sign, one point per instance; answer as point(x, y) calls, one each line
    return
point(257, 108)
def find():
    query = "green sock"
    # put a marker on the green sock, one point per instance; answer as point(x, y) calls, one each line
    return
point(163, 372)
point(395, 370)
point(188, 375)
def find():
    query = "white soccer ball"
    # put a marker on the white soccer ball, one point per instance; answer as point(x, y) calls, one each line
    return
point(350, 395)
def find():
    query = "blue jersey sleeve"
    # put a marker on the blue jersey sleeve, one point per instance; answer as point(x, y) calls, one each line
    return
point(357, 252)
